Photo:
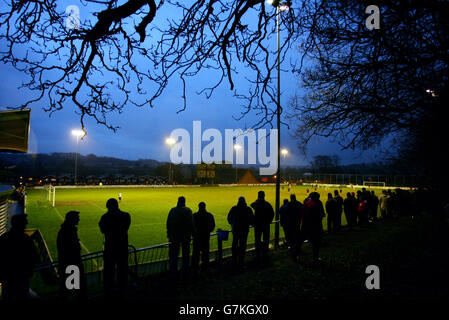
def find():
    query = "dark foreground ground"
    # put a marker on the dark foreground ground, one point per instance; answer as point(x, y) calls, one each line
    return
point(412, 255)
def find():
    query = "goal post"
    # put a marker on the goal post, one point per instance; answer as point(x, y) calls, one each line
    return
point(54, 196)
point(374, 184)
point(51, 194)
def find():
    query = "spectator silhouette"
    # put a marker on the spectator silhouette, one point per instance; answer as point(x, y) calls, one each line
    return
point(374, 204)
point(204, 224)
point(69, 253)
point(362, 208)
point(295, 212)
point(350, 208)
point(180, 228)
point(283, 217)
point(339, 204)
point(114, 224)
point(263, 216)
point(331, 210)
point(312, 225)
point(240, 217)
point(393, 204)
point(19, 257)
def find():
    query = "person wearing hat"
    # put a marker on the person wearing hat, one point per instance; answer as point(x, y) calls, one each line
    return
point(19, 257)
point(69, 253)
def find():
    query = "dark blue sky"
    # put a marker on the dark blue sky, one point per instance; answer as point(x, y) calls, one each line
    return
point(143, 130)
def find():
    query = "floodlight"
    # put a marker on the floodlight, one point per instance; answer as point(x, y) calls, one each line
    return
point(170, 141)
point(283, 6)
point(78, 133)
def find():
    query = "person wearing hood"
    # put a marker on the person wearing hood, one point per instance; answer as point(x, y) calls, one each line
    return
point(69, 253)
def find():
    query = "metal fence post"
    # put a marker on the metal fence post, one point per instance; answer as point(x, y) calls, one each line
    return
point(219, 249)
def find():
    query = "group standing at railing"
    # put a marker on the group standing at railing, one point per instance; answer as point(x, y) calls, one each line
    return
point(300, 221)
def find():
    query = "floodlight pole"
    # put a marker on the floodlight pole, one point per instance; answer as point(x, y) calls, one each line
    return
point(76, 158)
point(170, 142)
point(236, 166)
point(236, 148)
point(278, 119)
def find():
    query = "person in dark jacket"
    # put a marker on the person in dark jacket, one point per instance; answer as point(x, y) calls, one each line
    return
point(114, 224)
point(331, 210)
point(204, 224)
point(18, 259)
point(312, 224)
point(339, 202)
point(295, 212)
point(350, 210)
point(263, 216)
point(374, 204)
point(180, 229)
point(69, 253)
point(240, 217)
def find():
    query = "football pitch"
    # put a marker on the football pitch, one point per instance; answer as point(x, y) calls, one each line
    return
point(148, 208)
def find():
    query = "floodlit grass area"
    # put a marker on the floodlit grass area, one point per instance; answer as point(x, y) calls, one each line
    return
point(148, 208)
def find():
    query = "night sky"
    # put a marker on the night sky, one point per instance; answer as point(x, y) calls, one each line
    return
point(143, 130)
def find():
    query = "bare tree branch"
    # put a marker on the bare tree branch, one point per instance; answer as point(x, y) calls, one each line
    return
point(365, 85)
point(120, 57)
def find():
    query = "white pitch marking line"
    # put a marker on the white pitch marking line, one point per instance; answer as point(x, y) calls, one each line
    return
point(96, 205)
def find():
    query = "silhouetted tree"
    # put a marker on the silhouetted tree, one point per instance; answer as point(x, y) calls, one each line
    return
point(324, 163)
point(121, 53)
point(366, 85)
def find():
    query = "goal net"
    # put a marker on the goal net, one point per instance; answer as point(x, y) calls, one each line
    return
point(374, 183)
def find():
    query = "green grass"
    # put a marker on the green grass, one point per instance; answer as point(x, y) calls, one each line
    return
point(148, 208)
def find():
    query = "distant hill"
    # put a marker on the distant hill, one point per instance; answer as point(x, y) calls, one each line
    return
point(63, 163)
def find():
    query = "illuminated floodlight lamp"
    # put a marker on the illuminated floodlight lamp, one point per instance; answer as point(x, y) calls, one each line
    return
point(283, 6)
point(170, 141)
point(78, 133)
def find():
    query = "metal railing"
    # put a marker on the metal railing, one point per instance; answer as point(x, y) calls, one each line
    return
point(142, 262)
point(5, 193)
